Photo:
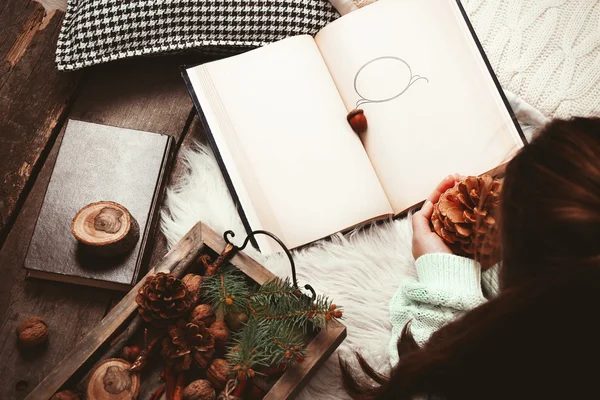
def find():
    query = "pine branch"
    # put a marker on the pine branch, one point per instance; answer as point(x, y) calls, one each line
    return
point(227, 291)
point(297, 311)
point(250, 349)
point(278, 300)
point(276, 290)
point(289, 344)
point(325, 311)
point(280, 316)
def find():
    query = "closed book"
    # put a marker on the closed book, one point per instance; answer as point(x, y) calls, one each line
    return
point(98, 163)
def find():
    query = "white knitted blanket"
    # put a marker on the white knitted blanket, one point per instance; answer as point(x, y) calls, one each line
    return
point(545, 51)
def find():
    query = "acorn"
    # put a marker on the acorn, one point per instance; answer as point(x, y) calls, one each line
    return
point(357, 120)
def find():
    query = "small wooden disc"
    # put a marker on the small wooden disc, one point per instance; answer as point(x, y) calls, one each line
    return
point(105, 228)
point(112, 380)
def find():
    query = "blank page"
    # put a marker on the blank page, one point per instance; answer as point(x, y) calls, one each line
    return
point(448, 115)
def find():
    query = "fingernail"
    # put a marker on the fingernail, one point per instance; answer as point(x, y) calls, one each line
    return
point(427, 203)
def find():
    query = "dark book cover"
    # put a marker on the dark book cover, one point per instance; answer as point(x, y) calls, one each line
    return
point(98, 163)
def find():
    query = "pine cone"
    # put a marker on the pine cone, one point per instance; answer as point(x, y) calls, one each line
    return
point(163, 299)
point(186, 342)
point(464, 217)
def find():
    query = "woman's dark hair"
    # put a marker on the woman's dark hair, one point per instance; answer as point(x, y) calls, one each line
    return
point(538, 339)
point(550, 207)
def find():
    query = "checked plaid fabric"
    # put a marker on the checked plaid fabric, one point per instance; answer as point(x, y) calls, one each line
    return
point(98, 31)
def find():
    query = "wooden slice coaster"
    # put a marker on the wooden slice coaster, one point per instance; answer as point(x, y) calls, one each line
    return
point(112, 380)
point(105, 228)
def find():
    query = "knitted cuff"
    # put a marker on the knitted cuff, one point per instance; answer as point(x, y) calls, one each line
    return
point(449, 271)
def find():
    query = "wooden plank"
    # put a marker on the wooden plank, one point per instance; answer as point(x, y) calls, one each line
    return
point(34, 97)
point(23, 299)
point(184, 254)
point(145, 94)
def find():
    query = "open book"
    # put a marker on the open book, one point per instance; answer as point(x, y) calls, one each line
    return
point(276, 118)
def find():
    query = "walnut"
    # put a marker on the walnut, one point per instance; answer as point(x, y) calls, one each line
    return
point(199, 390)
point(221, 333)
point(65, 395)
point(204, 313)
point(193, 283)
point(32, 332)
point(218, 373)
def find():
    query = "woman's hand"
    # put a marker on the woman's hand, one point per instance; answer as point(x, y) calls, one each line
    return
point(425, 241)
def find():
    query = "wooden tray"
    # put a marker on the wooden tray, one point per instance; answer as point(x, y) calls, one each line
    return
point(198, 240)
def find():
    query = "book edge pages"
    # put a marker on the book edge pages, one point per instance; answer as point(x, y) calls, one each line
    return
point(153, 214)
point(202, 114)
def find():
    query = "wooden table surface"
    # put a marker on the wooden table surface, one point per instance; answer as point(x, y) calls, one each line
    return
point(35, 102)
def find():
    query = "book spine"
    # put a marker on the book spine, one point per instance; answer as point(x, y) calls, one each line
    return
point(148, 238)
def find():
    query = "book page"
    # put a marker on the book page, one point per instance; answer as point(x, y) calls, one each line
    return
point(280, 127)
point(431, 104)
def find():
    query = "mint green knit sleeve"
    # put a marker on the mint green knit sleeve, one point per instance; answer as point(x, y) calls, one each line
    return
point(446, 286)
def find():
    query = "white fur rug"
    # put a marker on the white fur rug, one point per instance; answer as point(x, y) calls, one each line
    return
point(360, 271)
